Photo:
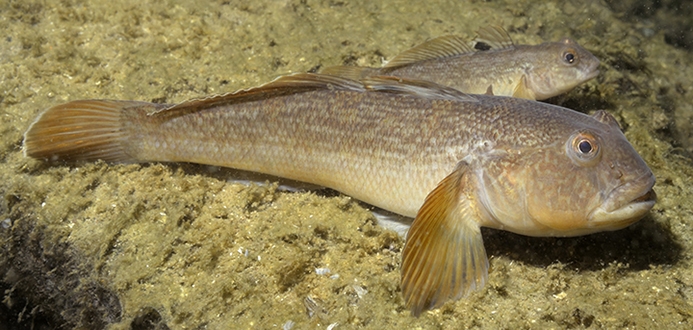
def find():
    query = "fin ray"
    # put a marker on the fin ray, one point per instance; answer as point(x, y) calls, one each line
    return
point(522, 91)
point(441, 47)
point(283, 85)
point(350, 72)
point(80, 130)
point(494, 36)
point(444, 256)
point(420, 88)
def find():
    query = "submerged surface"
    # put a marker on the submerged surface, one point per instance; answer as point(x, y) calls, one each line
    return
point(182, 245)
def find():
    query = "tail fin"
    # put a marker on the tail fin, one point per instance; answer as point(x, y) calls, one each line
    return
point(81, 130)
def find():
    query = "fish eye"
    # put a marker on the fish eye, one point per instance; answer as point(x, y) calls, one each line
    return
point(584, 149)
point(569, 57)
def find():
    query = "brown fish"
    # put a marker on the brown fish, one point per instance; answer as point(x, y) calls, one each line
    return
point(532, 72)
point(453, 161)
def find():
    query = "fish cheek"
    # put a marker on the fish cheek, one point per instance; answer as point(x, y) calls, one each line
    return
point(561, 196)
point(553, 80)
point(565, 71)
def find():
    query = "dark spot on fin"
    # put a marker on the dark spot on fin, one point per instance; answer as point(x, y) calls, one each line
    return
point(441, 47)
point(444, 256)
point(478, 45)
point(494, 37)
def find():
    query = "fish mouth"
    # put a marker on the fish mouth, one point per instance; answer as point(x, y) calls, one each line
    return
point(649, 196)
point(625, 205)
point(592, 74)
point(592, 69)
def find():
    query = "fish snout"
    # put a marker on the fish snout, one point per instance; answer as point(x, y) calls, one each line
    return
point(625, 204)
point(592, 73)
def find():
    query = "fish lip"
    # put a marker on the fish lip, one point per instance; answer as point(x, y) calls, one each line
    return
point(592, 70)
point(624, 195)
point(592, 74)
point(625, 205)
point(649, 196)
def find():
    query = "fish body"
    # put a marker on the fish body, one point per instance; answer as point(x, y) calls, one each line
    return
point(453, 161)
point(535, 72)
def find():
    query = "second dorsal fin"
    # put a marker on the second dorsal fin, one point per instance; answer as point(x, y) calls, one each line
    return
point(284, 85)
point(419, 88)
point(306, 82)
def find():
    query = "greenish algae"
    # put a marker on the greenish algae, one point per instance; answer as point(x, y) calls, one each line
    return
point(180, 246)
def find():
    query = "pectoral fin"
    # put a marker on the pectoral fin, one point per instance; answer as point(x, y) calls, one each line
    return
point(444, 257)
point(522, 90)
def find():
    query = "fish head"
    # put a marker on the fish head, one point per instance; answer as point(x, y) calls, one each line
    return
point(560, 67)
point(591, 181)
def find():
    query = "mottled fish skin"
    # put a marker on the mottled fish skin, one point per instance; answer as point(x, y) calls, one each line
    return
point(453, 161)
point(534, 72)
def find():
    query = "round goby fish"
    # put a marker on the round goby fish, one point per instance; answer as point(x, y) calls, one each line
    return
point(453, 161)
point(502, 68)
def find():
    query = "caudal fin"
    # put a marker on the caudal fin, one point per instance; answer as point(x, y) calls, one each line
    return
point(81, 130)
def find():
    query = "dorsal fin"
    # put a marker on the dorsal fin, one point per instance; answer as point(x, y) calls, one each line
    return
point(349, 72)
point(306, 82)
point(494, 37)
point(420, 88)
point(441, 47)
point(284, 85)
